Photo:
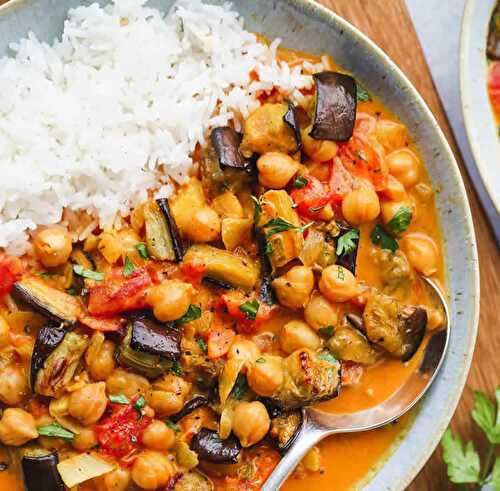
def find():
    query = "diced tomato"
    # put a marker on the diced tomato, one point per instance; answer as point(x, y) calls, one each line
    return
point(362, 161)
point(104, 324)
point(119, 434)
point(341, 182)
point(118, 294)
point(494, 85)
point(10, 271)
point(351, 372)
point(311, 198)
point(218, 342)
point(231, 303)
point(193, 272)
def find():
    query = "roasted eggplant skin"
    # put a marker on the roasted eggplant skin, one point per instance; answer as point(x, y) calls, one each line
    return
point(291, 119)
point(394, 326)
point(347, 343)
point(265, 291)
point(285, 426)
point(335, 108)
point(47, 340)
point(211, 448)
point(175, 235)
point(194, 403)
point(226, 142)
point(40, 472)
point(151, 337)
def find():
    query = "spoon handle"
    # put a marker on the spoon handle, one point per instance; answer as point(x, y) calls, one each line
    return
point(308, 436)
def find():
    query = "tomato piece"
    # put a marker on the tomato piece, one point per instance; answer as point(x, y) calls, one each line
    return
point(341, 182)
point(311, 198)
point(119, 434)
point(231, 303)
point(351, 372)
point(118, 294)
point(218, 342)
point(103, 324)
point(10, 271)
point(193, 272)
point(494, 85)
point(362, 161)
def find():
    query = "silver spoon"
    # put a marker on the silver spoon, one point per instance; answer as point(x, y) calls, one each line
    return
point(318, 424)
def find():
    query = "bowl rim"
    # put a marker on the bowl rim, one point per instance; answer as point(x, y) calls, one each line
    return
point(312, 8)
point(466, 57)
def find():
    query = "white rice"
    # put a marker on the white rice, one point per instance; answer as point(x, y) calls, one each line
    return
point(118, 104)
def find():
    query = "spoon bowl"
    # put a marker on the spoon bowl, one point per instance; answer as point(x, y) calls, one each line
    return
point(318, 424)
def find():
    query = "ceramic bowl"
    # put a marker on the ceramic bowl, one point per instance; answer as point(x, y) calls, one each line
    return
point(307, 26)
point(478, 116)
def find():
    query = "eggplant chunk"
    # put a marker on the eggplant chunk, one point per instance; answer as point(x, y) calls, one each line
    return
point(47, 340)
point(193, 481)
point(238, 271)
point(60, 366)
point(309, 377)
point(349, 344)
point(194, 403)
point(335, 108)
point(493, 45)
point(291, 119)
point(265, 290)
point(211, 448)
point(284, 429)
point(396, 327)
point(50, 302)
point(40, 472)
point(226, 143)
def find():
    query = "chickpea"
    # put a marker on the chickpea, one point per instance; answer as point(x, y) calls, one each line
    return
point(166, 403)
point(390, 208)
point(361, 205)
point(127, 383)
point(173, 383)
point(265, 376)
point(250, 422)
point(390, 134)
point(4, 333)
point(88, 404)
point(117, 480)
point(394, 190)
point(294, 288)
point(276, 169)
point(319, 150)
point(53, 246)
point(296, 335)
point(312, 460)
point(85, 439)
point(338, 284)
point(403, 165)
point(243, 349)
point(152, 470)
point(13, 385)
point(319, 312)
point(170, 299)
point(102, 364)
point(17, 427)
point(204, 226)
point(422, 252)
point(110, 246)
point(227, 205)
point(158, 436)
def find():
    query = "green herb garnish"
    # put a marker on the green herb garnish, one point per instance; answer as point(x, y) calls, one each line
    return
point(176, 368)
point(278, 225)
point(326, 331)
point(327, 357)
point(172, 426)
point(250, 309)
point(362, 94)
point(140, 403)
point(119, 399)
point(88, 273)
point(46, 276)
point(257, 212)
point(381, 238)
point(269, 248)
point(401, 220)
point(260, 360)
point(128, 267)
point(464, 464)
point(240, 387)
point(55, 430)
point(72, 291)
point(300, 182)
point(142, 250)
point(347, 243)
point(201, 343)
point(193, 313)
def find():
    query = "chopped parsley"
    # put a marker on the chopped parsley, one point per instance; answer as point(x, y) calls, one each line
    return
point(202, 344)
point(240, 387)
point(300, 182)
point(172, 426)
point(269, 248)
point(72, 291)
point(326, 331)
point(193, 313)
point(55, 430)
point(142, 250)
point(128, 267)
point(327, 357)
point(257, 212)
point(119, 399)
point(401, 220)
point(176, 368)
point(362, 94)
point(140, 403)
point(260, 360)
point(381, 238)
point(348, 242)
point(88, 273)
point(278, 225)
point(250, 309)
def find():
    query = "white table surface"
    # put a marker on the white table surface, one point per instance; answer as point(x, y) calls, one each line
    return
point(438, 24)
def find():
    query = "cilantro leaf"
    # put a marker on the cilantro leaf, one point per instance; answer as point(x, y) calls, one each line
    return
point(193, 313)
point(240, 387)
point(401, 220)
point(326, 356)
point(348, 242)
point(140, 403)
point(55, 430)
point(176, 368)
point(362, 94)
point(142, 250)
point(495, 475)
point(260, 360)
point(484, 416)
point(250, 309)
point(381, 238)
point(300, 182)
point(88, 273)
point(326, 331)
point(172, 426)
point(257, 212)
point(278, 225)
point(119, 399)
point(463, 463)
point(202, 344)
point(128, 267)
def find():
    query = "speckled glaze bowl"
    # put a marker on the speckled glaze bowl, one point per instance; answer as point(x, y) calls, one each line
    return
point(478, 115)
point(307, 26)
